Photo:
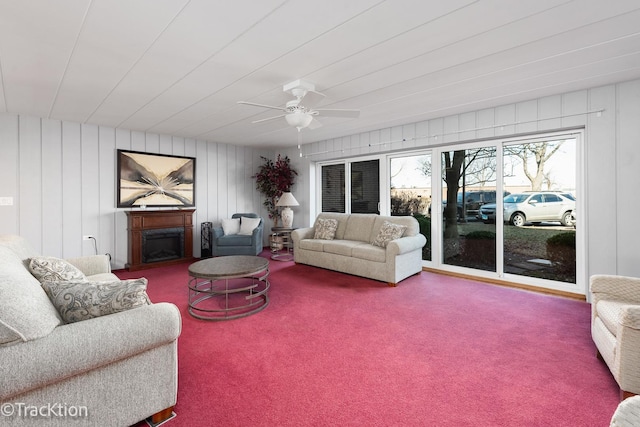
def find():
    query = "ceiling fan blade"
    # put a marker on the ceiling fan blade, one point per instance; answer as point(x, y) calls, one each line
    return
point(262, 105)
point(312, 98)
point(337, 113)
point(315, 124)
point(268, 118)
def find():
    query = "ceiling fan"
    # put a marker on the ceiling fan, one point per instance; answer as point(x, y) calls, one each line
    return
point(301, 115)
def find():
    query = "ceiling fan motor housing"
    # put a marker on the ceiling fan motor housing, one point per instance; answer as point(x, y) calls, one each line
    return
point(299, 88)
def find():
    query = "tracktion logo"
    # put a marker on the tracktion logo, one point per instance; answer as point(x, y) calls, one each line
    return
point(49, 410)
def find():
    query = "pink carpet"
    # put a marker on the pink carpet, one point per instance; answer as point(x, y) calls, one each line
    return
point(338, 350)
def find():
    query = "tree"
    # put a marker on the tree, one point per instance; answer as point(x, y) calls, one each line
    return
point(541, 153)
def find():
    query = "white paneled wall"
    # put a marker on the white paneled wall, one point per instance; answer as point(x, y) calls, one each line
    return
point(611, 160)
point(62, 178)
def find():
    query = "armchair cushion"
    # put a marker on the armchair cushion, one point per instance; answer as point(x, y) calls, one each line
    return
point(230, 226)
point(247, 225)
point(54, 269)
point(235, 240)
point(80, 300)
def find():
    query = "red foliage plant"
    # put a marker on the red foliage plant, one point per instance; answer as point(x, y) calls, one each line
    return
point(273, 179)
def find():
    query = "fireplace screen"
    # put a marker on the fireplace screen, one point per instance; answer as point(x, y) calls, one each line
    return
point(162, 245)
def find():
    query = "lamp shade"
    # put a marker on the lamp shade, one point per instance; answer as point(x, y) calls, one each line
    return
point(287, 199)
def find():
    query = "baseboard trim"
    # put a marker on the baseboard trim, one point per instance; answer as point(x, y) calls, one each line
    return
point(509, 284)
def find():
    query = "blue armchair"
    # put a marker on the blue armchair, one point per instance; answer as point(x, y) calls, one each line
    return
point(237, 244)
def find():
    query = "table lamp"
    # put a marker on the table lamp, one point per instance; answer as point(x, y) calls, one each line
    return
point(287, 200)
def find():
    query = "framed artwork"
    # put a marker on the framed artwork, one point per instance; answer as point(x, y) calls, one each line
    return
point(146, 179)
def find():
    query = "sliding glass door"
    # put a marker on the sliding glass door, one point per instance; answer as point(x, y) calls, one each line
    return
point(359, 182)
point(495, 208)
point(410, 192)
point(539, 214)
point(468, 182)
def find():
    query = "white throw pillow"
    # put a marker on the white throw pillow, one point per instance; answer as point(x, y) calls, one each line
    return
point(231, 226)
point(247, 225)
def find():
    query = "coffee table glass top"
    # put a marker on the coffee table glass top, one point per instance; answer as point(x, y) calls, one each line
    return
point(228, 266)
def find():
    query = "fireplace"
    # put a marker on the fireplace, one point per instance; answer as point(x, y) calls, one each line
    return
point(158, 238)
point(162, 245)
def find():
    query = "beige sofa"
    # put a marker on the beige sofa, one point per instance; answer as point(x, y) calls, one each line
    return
point(112, 370)
point(351, 250)
point(615, 328)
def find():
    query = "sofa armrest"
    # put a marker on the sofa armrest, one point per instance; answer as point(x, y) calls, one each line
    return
point(620, 288)
point(302, 233)
point(92, 264)
point(630, 317)
point(406, 244)
point(76, 348)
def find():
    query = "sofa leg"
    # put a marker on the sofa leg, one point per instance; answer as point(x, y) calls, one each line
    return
point(625, 395)
point(393, 285)
point(161, 417)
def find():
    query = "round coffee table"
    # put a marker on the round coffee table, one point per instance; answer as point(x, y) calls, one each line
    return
point(228, 287)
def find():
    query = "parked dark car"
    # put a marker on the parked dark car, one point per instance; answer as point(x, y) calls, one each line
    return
point(474, 200)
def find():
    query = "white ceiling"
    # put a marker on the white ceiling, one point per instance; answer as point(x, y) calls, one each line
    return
point(178, 67)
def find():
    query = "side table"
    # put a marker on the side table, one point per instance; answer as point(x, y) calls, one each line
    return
point(281, 244)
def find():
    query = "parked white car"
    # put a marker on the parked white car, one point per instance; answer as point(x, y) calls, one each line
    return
point(536, 206)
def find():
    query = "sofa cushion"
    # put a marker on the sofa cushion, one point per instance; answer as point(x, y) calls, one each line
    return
point(359, 227)
point(54, 269)
point(312, 244)
point(19, 245)
point(25, 311)
point(325, 229)
point(82, 300)
point(340, 247)
point(230, 226)
point(610, 312)
point(388, 232)
point(369, 252)
point(247, 225)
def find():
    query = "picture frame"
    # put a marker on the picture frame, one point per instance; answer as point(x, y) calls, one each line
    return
point(154, 180)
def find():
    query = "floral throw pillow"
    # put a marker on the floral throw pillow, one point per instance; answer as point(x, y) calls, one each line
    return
point(54, 269)
point(325, 229)
point(388, 232)
point(82, 300)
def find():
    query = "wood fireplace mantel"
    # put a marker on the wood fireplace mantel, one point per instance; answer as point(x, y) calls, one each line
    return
point(141, 220)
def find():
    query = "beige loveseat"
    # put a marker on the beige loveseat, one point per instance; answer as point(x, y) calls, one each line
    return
point(113, 370)
point(351, 250)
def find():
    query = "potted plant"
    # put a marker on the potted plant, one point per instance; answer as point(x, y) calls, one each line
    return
point(272, 179)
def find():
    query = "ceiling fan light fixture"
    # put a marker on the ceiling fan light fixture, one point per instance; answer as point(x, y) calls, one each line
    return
point(299, 119)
